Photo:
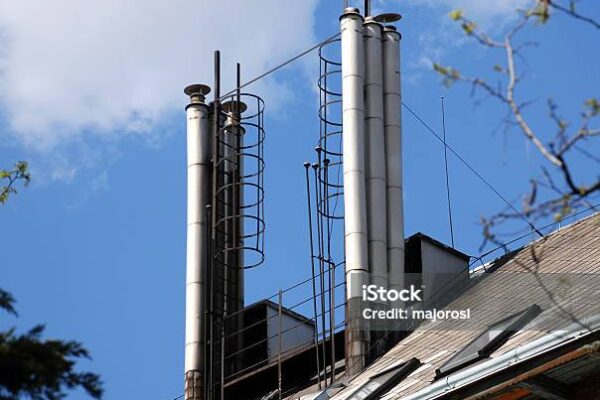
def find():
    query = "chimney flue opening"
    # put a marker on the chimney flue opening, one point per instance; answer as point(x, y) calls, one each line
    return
point(197, 92)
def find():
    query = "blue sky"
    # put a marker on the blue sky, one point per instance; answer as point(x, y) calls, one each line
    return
point(92, 98)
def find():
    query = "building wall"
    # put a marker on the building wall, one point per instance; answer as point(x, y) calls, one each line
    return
point(442, 270)
point(295, 333)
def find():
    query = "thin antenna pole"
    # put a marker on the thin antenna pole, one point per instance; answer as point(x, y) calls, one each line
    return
point(321, 268)
point(279, 343)
point(312, 262)
point(367, 8)
point(216, 116)
point(224, 318)
point(238, 193)
point(208, 311)
point(447, 178)
point(238, 85)
point(324, 257)
point(474, 171)
point(211, 295)
point(216, 112)
point(331, 272)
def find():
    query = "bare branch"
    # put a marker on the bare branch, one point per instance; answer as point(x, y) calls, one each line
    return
point(471, 29)
point(510, 96)
point(566, 193)
point(573, 13)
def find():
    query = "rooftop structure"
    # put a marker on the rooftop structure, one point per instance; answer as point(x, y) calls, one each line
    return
point(549, 288)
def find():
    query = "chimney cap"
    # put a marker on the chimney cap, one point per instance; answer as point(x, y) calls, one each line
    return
point(388, 18)
point(233, 106)
point(372, 20)
point(350, 11)
point(197, 92)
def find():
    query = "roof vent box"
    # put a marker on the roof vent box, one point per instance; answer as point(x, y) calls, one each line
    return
point(441, 270)
point(257, 342)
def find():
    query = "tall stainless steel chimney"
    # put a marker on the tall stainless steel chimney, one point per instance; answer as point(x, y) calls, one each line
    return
point(198, 187)
point(376, 170)
point(355, 216)
point(393, 148)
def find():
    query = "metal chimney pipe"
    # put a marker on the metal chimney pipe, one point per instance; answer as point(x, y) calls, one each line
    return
point(375, 162)
point(355, 220)
point(198, 183)
point(393, 148)
point(233, 142)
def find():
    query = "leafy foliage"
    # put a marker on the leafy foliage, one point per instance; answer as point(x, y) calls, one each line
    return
point(29, 365)
point(450, 74)
point(7, 302)
point(594, 106)
point(9, 178)
point(541, 11)
point(40, 368)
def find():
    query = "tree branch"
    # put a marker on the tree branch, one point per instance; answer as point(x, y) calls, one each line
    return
point(510, 96)
point(570, 194)
point(571, 12)
point(20, 172)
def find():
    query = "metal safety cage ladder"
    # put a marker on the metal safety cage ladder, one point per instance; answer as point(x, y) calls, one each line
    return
point(240, 184)
point(328, 195)
point(236, 212)
point(330, 132)
point(238, 204)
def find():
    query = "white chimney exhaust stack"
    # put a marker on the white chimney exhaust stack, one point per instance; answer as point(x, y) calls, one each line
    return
point(393, 148)
point(355, 208)
point(198, 186)
point(375, 154)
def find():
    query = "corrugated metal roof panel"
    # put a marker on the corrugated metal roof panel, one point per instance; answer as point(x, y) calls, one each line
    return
point(569, 251)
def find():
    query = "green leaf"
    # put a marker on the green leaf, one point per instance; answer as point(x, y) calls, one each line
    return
point(594, 106)
point(438, 68)
point(469, 27)
point(7, 302)
point(456, 15)
point(542, 12)
point(450, 74)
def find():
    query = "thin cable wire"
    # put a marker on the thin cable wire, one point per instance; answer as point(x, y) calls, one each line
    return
point(503, 245)
point(489, 185)
point(447, 178)
point(291, 60)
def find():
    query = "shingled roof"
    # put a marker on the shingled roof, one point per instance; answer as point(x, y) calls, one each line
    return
point(560, 273)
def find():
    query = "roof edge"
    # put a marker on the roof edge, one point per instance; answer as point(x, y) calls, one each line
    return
point(517, 355)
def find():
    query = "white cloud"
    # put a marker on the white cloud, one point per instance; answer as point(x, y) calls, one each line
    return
point(442, 35)
point(71, 69)
point(488, 13)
